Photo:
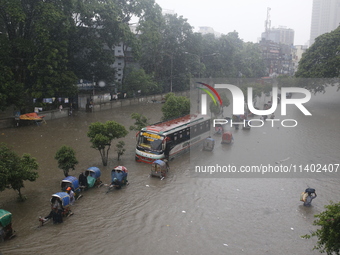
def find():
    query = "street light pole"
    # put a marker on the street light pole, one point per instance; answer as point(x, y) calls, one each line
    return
point(199, 59)
point(171, 68)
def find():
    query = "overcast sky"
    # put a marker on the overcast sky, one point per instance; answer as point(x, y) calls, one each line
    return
point(247, 17)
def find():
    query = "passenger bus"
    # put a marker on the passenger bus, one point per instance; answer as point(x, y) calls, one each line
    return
point(170, 138)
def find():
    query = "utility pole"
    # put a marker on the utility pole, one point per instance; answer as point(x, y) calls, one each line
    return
point(267, 23)
point(267, 44)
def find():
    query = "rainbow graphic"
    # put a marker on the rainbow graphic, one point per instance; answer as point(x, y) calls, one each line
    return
point(210, 94)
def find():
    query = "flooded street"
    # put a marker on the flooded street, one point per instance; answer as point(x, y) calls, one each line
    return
point(186, 213)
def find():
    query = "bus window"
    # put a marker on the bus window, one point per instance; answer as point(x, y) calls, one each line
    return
point(150, 141)
point(156, 145)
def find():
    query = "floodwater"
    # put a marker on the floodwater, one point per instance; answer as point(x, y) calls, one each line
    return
point(184, 213)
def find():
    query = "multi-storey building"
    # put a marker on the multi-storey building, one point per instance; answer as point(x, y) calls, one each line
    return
point(281, 35)
point(208, 30)
point(297, 52)
point(325, 17)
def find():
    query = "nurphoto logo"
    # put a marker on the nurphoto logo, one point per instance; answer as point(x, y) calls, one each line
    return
point(239, 104)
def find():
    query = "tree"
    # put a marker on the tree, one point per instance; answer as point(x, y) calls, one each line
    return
point(34, 47)
point(47, 45)
point(140, 121)
point(14, 170)
point(120, 149)
point(215, 108)
point(329, 233)
point(102, 134)
point(150, 39)
point(225, 100)
point(321, 60)
point(138, 80)
point(175, 106)
point(250, 61)
point(66, 157)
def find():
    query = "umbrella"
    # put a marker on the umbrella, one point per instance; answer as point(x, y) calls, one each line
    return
point(121, 168)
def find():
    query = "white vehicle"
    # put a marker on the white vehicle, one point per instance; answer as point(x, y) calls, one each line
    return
point(170, 138)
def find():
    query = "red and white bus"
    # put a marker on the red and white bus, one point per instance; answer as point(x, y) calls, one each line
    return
point(170, 138)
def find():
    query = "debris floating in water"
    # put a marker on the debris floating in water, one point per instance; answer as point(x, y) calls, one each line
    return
point(183, 211)
point(282, 160)
point(292, 228)
point(225, 244)
point(147, 185)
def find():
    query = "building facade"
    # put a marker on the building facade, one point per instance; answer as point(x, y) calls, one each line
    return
point(297, 52)
point(325, 17)
point(281, 59)
point(281, 35)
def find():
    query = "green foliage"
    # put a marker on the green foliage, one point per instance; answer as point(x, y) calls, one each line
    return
point(321, 60)
point(175, 106)
point(120, 149)
point(233, 57)
point(168, 95)
point(216, 109)
point(14, 170)
point(140, 121)
point(329, 233)
point(47, 45)
point(225, 99)
point(102, 134)
point(257, 89)
point(35, 49)
point(286, 81)
point(66, 157)
point(138, 80)
point(250, 61)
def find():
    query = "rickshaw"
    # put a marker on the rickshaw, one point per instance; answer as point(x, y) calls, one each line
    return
point(6, 231)
point(159, 168)
point(93, 176)
point(218, 129)
point(118, 177)
point(71, 181)
point(227, 137)
point(64, 199)
point(246, 125)
point(236, 119)
point(208, 144)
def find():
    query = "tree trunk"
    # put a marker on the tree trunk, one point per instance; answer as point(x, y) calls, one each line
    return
point(21, 198)
point(104, 157)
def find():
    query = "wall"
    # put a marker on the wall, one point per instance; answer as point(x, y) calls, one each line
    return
point(101, 102)
point(10, 122)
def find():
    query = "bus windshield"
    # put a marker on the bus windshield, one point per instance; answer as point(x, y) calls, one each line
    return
point(150, 141)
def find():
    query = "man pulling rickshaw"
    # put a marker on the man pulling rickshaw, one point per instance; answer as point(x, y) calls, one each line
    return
point(60, 207)
point(118, 177)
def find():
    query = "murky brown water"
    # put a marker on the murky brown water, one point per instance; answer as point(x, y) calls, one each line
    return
point(181, 214)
